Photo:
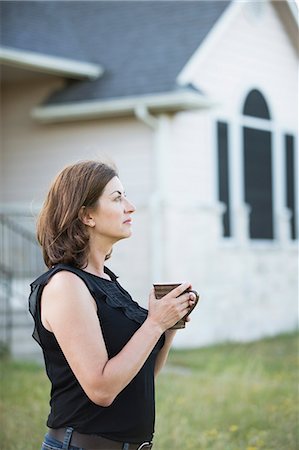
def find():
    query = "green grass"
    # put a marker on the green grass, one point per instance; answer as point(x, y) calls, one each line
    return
point(225, 397)
point(234, 397)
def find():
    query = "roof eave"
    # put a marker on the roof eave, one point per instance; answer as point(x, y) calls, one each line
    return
point(48, 64)
point(165, 102)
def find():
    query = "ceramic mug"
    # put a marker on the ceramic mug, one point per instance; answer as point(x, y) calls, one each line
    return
point(162, 289)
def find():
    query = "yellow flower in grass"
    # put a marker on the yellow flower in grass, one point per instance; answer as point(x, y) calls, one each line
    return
point(212, 433)
point(252, 448)
point(233, 428)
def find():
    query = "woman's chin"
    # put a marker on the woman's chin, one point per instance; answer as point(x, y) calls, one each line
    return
point(126, 234)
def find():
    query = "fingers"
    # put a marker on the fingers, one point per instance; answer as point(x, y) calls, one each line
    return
point(180, 298)
point(172, 307)
point(183, 304)
point(176, 292)
point(188, 298)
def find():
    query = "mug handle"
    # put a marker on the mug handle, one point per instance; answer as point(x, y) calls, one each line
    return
point(195, 303)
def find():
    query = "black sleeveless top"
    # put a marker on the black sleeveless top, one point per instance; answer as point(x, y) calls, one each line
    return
point(131, 416)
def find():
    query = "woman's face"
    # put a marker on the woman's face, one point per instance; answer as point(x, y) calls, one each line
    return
point(112, 214)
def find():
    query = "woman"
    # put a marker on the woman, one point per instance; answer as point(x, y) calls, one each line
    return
point(101, 349)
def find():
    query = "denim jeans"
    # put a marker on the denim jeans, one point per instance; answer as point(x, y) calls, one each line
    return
point(52, 444)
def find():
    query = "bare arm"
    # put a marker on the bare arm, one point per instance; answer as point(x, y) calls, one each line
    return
point(69, 311)
point(163, 353)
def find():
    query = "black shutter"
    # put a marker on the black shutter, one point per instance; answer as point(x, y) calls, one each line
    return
point(290, 181)
point(258, 181)
point(223, 174)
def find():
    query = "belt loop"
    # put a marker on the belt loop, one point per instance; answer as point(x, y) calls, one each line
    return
point(67, 438)
point(126, 446)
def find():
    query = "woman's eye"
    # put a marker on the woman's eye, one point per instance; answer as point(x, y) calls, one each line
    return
point(120, 197)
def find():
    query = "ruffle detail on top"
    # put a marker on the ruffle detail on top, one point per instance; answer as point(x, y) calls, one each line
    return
point(110, 291)
point(117, 297)
point(33, 301)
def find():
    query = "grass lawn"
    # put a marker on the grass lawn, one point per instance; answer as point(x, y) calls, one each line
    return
point(225, 397)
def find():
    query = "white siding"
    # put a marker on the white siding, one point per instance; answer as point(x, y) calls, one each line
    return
point(33, 154)
point(253, 54)
point(247, 290)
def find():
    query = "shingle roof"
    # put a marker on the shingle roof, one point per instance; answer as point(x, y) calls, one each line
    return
point(142, 45)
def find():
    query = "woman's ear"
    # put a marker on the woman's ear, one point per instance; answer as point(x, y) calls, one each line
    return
point(85, 217)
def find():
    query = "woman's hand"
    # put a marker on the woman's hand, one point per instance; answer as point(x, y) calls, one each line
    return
point(168, 310)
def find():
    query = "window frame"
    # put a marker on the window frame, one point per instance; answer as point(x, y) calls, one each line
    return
point(235, 124)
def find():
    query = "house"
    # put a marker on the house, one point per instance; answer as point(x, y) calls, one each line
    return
point(197, 103)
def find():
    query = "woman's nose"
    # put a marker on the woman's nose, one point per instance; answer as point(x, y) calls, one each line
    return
point(130, 207)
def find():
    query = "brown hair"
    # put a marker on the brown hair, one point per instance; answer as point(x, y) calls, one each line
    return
point(63, 236)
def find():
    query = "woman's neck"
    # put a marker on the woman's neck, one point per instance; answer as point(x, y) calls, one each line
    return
point(96, 261)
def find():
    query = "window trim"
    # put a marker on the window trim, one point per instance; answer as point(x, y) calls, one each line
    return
point(235, 123)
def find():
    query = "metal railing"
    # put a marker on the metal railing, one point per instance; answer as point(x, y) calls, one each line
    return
point(20, 253)
point(20, 262)
point(5, 308)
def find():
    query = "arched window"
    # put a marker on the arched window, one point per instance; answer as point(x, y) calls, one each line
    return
point(255, 159)
point(255, 105)
point(258, 182)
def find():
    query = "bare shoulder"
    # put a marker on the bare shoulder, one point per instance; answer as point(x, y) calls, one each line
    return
point(66, 285)
point(65, 298)
point(64, 278)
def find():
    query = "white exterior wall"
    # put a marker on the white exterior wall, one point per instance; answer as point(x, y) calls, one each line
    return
point(32, 155)
point(249, 289)
point(252, 53)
